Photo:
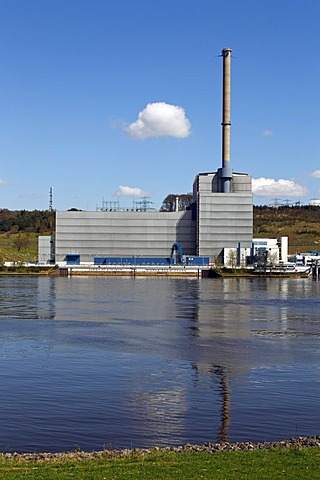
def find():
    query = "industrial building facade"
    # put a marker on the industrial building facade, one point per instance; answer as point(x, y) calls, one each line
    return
point(123, 234)
point(215, 221)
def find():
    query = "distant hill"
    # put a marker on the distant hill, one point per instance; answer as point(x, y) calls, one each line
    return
point(19, 230)
point(300, 224)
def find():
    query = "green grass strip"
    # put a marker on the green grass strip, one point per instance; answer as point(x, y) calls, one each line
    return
point(291, 463)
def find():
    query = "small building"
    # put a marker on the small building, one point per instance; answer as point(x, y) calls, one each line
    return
point(46, 249)
point(269, 250)
point(307, 258)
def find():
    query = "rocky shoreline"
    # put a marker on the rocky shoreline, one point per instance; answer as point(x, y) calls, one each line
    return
point(296, 443)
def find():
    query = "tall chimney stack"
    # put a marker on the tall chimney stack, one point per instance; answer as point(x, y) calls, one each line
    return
point(226, 171)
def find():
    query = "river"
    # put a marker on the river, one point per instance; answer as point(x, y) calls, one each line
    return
point(112, 362)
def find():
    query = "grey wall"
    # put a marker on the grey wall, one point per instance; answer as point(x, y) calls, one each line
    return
point(224, 219)
point(46, 248)
point(123, 233)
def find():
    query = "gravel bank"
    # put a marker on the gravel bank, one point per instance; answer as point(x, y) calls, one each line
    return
point(296, 442)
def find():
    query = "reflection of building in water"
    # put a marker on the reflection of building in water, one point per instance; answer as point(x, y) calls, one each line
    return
point(220, 339)
point(46, 297)
point(222, 314)
point(117, 299)
point(189, 339)
point(28, 298)
point(216, 324)
point(170, 405)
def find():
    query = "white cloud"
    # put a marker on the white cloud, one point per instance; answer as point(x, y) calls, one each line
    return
point(2, 182)
point(265, 187)
point(316, 174)
point(267, 133)
point(126, 191)
point(160, 119)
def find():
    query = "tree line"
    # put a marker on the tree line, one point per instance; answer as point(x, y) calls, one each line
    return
point(35, 221)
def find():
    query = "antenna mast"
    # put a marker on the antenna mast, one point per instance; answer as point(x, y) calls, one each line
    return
point(50, 199)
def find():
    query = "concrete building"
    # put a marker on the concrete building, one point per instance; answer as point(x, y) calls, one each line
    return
point(214, 222)
point(46, 249)
point(123, 234)
point(220, 217)
point(271, 250)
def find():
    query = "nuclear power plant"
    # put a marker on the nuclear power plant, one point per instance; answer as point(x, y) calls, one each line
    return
point(220, 217)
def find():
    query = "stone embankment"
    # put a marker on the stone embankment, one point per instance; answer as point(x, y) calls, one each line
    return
point(297, 442)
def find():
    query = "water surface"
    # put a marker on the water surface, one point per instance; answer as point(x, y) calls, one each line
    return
point(137, 362)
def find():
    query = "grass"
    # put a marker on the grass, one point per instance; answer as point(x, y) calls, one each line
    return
point(291, 463)
point(9, 251)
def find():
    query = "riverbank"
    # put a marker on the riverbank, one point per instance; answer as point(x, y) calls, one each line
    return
point(147, 271)
point(175, 271)
point(296, 443)
point(290, 459)
point(25, 270)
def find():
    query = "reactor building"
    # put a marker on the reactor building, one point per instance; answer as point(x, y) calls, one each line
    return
point(220, 217)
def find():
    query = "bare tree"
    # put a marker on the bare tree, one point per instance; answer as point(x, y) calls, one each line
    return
point(232, 258)
point(169, 203)
point(272, 259)
point(18, 242)
point(21, 241)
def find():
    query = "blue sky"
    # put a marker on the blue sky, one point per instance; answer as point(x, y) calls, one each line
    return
point(99, 97)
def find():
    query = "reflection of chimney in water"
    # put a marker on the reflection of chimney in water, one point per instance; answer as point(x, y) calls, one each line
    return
point(225, 410)
point(226, 171)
